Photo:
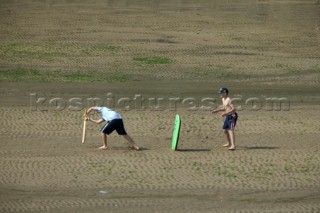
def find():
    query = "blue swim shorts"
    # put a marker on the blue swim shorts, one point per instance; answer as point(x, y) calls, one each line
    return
point(230, 121)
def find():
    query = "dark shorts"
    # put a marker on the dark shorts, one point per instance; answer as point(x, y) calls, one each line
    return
point(230, 121)
point(116, 124)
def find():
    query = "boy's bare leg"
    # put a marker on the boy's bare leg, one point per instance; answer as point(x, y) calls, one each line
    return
point(104, 141)
point(232, 140)
point(227, 138)
point(131, 142)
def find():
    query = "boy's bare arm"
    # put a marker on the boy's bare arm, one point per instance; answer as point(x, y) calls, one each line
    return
point(95, 121)
point(91, 109)
point(220, 108)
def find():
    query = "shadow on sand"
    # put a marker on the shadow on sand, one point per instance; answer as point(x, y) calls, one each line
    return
point(193, 150)
point(260, 147)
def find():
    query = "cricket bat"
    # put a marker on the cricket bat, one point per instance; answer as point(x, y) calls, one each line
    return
point(84, 126)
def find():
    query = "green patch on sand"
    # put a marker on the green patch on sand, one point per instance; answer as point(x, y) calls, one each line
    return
point(15, 49)
point(316, 68)
point(21, 74)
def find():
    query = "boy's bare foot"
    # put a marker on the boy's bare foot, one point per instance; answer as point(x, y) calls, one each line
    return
point(232, 148)
point(103, 147)
point(226, 145)
point(135, 147)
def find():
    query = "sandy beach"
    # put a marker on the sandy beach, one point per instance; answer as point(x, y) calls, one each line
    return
point(151, 60)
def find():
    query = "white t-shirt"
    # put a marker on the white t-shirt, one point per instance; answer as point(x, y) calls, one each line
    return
point(108, 114)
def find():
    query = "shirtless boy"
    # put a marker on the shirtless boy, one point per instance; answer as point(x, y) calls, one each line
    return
point(114, 122)
point(228, 111)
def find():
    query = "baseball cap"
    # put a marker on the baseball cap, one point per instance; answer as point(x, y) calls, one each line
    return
point(223, 90)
